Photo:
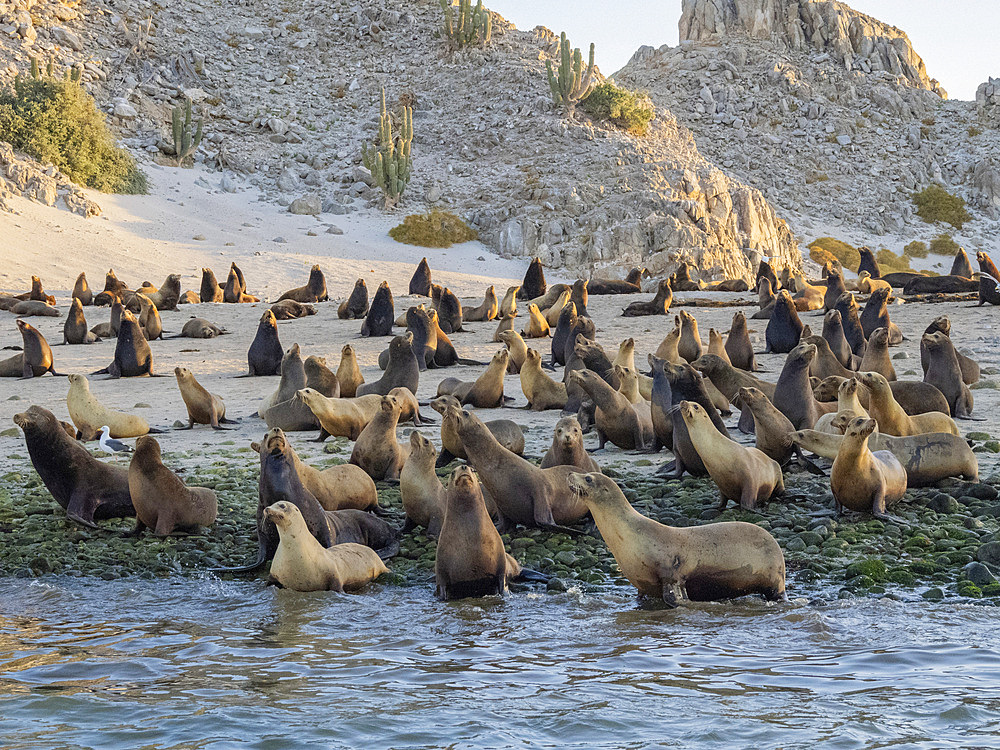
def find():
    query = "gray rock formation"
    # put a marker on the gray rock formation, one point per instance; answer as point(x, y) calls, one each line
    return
point(988, 102)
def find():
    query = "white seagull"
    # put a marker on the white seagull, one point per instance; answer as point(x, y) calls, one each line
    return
point(110, 445)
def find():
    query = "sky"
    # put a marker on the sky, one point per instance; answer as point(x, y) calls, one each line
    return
point(956, 38)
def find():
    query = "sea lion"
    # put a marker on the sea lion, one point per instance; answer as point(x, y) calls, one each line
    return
point(583, 328)
point(376, 450)
point(348, 372)
point(163, 503)
point(728, 379)
point(877, 357)
point(378, 321)
point(772, 430)
point(835, 288)
point(199, 328)
point(420, 282)
point(876, 315)
point(862, 480)
point(961, 265)
point(660, 406)
point(541, 391)
point(833, 332)
point(940, 285)
point(89, 490)
point(282, 409)
point(766, 271)
point(616, 419)
point(75, 328)
point(682, 281)
point(149, 319)
point(689, 345)
point(806, 297)
point(486, 311)
point(868, 263)
point(189, 298)
point(133, 357)
point(945, 373)
point(420, 490)
point(746, 475)
point(853, 330)
point(301, 563)
point(202, 407)
point(507, 432)
point(265, 352)
point(579, 297)
point(552, 312)
point(969, 367)
point(517, 349)
point(289, 309)
point(765, 300)
point(321, 378)
point(401, 370)
point(989, 280)
point(567, 447)
point(784, 329)
point(659, 305)
point(700, 563)
point(534, 281)
point(913, 396)
point(717, 346)
point(848, 407)
point(553, 294)
point(793, 395)
point(210, 291)
point(89, 414)
point(235, 289)
point(891, 418)
point(567, 319)
point(508, 305)
point(686, 384)
point(486, 392)
point(340, 417)
point(112, 288)
point(506, 324)
point(538, 326)
point(523, 493)
point(35, 308)
point(355, 306)
point(449, 312)
point(165, 298)
point(313, 291)
point(867, 285)
point(630, 285)
point(82, 291)
point(825, 363)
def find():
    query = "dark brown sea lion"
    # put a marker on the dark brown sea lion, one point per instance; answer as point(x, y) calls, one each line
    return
point(579, 297)
point(862, 480)
point(825, 364)
point(847, 306)
point(89, 490)
point(659, 305)
point(833, 332)
point(534, 281)
point(133, 357)
point(163, 503)
point(289, 309)
point(112, 288)
point(738, 346)
point(567, 319)
point(793, 395)
point(82, 291)
point(630, 285)
point(772, 430)
point(35, 358)
point(876, 315)
point(420, 282)
point(868, 262)
point(321, 378)
point(235, 289)
point(449, 312)
point(567, 446)
point(380, 317)
point(75, 328)
point(969, 367)
point(313, 291)
point(961, 265)
point(210, 290)
point(765, 271)
point(681, 281)
point(784, 328)
point(989, 280)
point(401, 370)
point(945, 373)
point(355, 306)
point(834, 289)
point(265, 352)
point(940, 285)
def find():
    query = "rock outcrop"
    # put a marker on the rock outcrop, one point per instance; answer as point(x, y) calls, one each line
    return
point(988, 102)
point(23, 176)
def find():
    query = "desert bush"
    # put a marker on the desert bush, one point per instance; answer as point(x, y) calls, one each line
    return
point(916, 249)
point(820, 256)
point(848, 255)
point(943, 244)
point(434, 229)
point(934, 204)
point(889, 262)
point(974, 131)
point(56, 121)
point(631, 111)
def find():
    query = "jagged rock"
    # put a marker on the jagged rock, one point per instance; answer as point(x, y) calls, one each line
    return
point(986, 183)
point(67, 38)
point(988, 102)
point(23, 176)
point(307, 205)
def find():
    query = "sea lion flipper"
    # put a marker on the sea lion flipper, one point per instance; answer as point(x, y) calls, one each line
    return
point(532, 576)
point(81, 508)
point(673, 593)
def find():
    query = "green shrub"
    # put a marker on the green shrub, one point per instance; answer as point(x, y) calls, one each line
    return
point(974, 131)
point(820, 256)
point(434, 229)
point(943, 244)
point(934, 204)
point(57, 122)
point(916, 249)
point(889, 262)
point(631, 111)
point(848, 255)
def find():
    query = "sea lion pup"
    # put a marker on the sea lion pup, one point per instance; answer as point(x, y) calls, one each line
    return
point(989, 280)
point(517, 349)
point(265, 352)
point(891, 418)
point(202, 407)
point(313, 291)
point(746, 475)
point(401, 370)
point(321, 378)
point(75, 328)
point(508, 305)
point(378, 321)
point(825, 363)
point(835, 288)
point(538, 326)
point(486, 392)
point(945, 373)
point(867, 285)
point(969, 367)
point(868, 262)
point(630, 285)
point(163, 503)
point(784, 329)
point(553, 311)
point(579, 297)
point(112, 288)
point(420, 490)
point(210, 291)
point(862, 480)
point(355, 307)
point(689, 346)
point(507, 432)
point(81, 290)
point(541, 391)
point(506, 324)
point(793, 395)
point(567, 447)
point(133, 357)
point(698, 563)
point(34, 307)
point(301, 563)
point(348, 372)
point(833, 332)
point(876, 315)
point(533, 284)
point(523, 493)
point(449, 312)
point(89, 414)
point(765, 300)
point(89, 490)
point(420, 282)
point(877, 357)
point(853, 330)
point(149, 319)
point(848, 407)
point(659, 305)
point(199, 328)
point(289, 309)
point(486, 311)
point(617, 420)
point(165, 298)
point(376, 450)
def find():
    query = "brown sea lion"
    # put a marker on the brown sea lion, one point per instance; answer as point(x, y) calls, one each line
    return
point(35, 308)
point(853, 331)
point(989, 280)
point(486, 311)
point(876, 315)
point(82, 291)
point(508, 305)
point(533, 284)
point(825, 363)
point(420, 490)
point(940, 285)
point(698, 563)
point(868, 263)
point(537, 326)
point(355, 307)
point(945, 373)
point(35, 358)
point(579, 297)
point(313, 291)
point(659, 305)
point(961, 265)
point(567, 447)
point(772, 430)
point(541, 391)
point(793, 395)
point(765, 300)
point(449, 312)
point(486, 392)
point(517, 349)
point(149, 319)
point(862, 480)
point(507, 432)
point(833, 332)
point(380, 317)
point(630, 285)
point(163, 503)
point(564, 325)
point(969, 367)
point(282, 409)
point(553, 311)
point(89, 414)
point(75, 328)
point(202, 407)
point(717, 346)
point(914, 397)
point(553, 294)
point(835, 288)
point(689, 346)
point(686, 384)
point(506, 324)
point(402, 369)
point(376, 450)
point(210, 291)
point(616, 418)
point(289, 309)
point(235, 289)
point(682, 281)
point(199, 328)
point(784, 329)
point(348, 372)
point(112, 288)
point(166, 297)
point(265, 352)
point(321, 378)
point(340, 417)
point(877, 357)
point(890, 416)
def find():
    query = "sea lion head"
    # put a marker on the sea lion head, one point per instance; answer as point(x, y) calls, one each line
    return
point(464, 477)
point(568, 432)
point(873, 381)
point(803, 353)
point(692, 412)
point(37, 418)
point(828, 388)
point(347, 351)
point(76, 306)
point(628, 345)
point(307, 395)
point(589, 487)
point(861, 427)
point(880, 295)
point(932, 341)
point(389, 405)
point(23, 326)
point(268, 319)
point(847, 300)
point(656, 364)
point(182, 374)
point(146, 447)
point(77, 379)
point(663, 287)
point(687, 318)
point(833, 317)
point(750, 395)
point(508, 336)
point(444, 404)
point(533, 357)
point(879, 337)
point(500, 358)
point(849, 387)
point(940, 324)
point(421, 446)
point(842, 420)
point(863, 275)
point(281, 513)
point(274, 442)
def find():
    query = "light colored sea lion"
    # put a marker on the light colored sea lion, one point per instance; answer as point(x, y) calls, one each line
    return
point(552, 311)
point(348, 372)
point(746, 475)
point(508, 305)
point(945, 373)
point(772, 429)
point(541, 391)
point(486, 392)
point(867, 285)
point(717, 346)
point(149, 319)
point(553, 294)
point(807, 297)
point(516, 347)
point(89, 414)
point(313, 291)
point(202, 407)
point(376, 450)
point(340, 417)
point(420, 490)
point(486, 311)
point(629, 388)
point(538, 326)
point(321, 378)
point(877, 357)
point(199, 328)
point(301, 563)
point(616, 418)
point(567, 447)
point(862, 480)
point(891, 418)
point(668, 348)
point(700, 563)
point(506, 324)
point(847, 403)
point(289, 309)
point(507, 432)
point(162, 501)
point(75, 328)
point(189, 298)
point(689, 346)
point(82, 291)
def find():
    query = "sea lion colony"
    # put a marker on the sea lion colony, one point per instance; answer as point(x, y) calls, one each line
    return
point(677, 403)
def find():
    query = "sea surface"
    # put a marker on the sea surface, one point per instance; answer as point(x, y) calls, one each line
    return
point(204, 663)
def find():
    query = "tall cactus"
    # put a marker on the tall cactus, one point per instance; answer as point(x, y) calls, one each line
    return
point(573, 83)
point(469, 25)
point(390, 161)
point(185, 142)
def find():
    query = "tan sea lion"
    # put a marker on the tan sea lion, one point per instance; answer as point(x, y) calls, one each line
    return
point(538, 326)
point(616, 418)
point(348, 372)
point(202, 407)
point(420, 490)
point(163, 503)
point(75, 328)
point(567, 447)
point(508, 305)
point(668, 348)
point(189, 298)
point(486, 392)
point(862, 480)
point(867, 285)
point(199, 328)
point(913, 396)
point(89, 414)
point(506, 431)
point(891, 418)
point(700, 563)
point(235, 289)
point(112, 288)
point(516, 347)
point(553, 294)
point(552, 312)
point(289, 309)
point(376, 450)
point(82, 291)
point(877, 357)
point(772, 430)
point(541, 391)
point(506, 324)
point(825, 363)
point(848, 403)
point(321, 378)
point(486, 311)
point(149, 319)
point(340, 417)
point(689, 347)
point(313, 291)
point(717, 346)
point(33, 307)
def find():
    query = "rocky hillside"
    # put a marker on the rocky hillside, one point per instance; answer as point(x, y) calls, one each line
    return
point(290, 92)
point(830, 113)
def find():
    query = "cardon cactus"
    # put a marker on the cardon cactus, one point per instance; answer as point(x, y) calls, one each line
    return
point(573, 83)
point(466, 25)
point(390, 161)
point(185, 142)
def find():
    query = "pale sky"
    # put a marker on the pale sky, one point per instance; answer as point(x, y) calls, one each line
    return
point(958, 39)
